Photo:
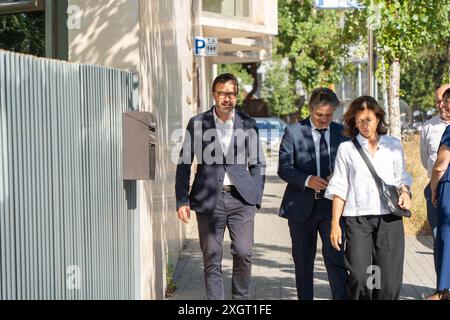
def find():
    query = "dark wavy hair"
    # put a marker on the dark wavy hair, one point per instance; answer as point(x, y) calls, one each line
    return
point(323, 96)
point(360, 104)
point(446, 94)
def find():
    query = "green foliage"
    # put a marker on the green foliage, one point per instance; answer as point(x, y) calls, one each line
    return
point(304, 112)
point(24, 33)
point(279, 88)
point(422, 75)
point(416, 33)
point(313, 42)
point(170, 282)
point(405, 25)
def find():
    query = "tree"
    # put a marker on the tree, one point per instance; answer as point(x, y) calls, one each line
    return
point(422, 74)
point(402, 27)
point(23, 32)
point(313, 41)
point(278, 88)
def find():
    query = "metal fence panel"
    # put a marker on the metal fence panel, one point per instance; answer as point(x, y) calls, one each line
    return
point(66, 216)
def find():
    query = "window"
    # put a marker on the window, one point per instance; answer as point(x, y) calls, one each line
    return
point(22, 26)
point(229, 8)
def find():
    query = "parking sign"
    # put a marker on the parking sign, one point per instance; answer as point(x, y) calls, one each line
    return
point(205, 46)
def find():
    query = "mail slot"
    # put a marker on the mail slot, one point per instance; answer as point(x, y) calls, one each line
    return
point(139, 145)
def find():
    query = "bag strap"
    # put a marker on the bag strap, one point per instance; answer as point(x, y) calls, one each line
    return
point(375, 175)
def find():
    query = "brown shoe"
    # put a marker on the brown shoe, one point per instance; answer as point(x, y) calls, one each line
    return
point(440, 295)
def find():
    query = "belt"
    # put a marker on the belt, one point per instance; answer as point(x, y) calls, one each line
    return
point(319, 195)
point(228, 188)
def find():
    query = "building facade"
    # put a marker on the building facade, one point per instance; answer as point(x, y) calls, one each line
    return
point(154, 40)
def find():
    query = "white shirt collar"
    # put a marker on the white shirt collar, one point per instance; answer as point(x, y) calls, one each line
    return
point(364, 142)
point(442, 120)
point(217, 119)
point(313, 127)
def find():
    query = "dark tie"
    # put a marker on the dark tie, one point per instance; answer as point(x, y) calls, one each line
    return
point(324, 156)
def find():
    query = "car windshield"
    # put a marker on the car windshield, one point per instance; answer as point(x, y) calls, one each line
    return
point(262, 125)
point(272, 129)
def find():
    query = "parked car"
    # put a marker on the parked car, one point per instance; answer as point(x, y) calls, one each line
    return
point(271, 132)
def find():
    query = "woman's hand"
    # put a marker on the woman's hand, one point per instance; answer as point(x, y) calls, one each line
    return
point(434, 197)
point(336, 236)
point(404, 201)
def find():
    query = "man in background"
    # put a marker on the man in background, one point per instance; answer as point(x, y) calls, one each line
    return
point(430, 139)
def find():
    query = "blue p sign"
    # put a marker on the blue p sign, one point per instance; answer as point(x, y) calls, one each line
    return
point(205, 46)
point(200, 43)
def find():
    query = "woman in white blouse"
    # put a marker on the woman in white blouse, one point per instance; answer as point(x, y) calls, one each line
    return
point(374, 238)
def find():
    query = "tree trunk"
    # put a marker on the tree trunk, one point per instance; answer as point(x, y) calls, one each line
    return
point(252, 69)
point(394, 100)
point(385, 88)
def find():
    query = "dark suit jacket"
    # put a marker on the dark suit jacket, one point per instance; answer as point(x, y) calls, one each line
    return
point(244, 163)
point(297, 161)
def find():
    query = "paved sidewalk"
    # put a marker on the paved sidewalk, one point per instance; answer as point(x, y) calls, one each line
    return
point(273, 269)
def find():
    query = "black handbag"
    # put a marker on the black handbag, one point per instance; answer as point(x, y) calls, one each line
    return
point(389, 193)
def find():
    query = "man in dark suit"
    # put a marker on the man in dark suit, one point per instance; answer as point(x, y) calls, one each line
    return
point(306, 162)
point(227, 188)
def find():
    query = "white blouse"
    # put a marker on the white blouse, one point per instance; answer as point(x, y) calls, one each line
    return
point(353, 182)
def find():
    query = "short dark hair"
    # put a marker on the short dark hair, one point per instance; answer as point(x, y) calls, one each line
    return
point(323, 96)
point(224, 78)
point(446, 94)
point(360, 104)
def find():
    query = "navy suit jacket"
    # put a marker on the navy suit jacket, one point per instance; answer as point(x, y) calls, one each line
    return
point(297, 161)
point(244, 163)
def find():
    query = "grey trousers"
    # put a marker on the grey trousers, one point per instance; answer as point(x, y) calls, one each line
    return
point(232, 212)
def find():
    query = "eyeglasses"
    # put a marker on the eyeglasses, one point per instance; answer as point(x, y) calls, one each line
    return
point(223, 94)
point(439, 102)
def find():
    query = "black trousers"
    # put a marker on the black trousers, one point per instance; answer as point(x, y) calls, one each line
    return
point(304, 247)
point(232, 212)
point(374, 253)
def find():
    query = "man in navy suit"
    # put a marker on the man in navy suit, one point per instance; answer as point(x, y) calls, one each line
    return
point(227, 187)
point(306, 162)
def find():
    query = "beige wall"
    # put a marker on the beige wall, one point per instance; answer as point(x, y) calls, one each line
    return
point(152, 38)
point(109, 33)
point(166, 90)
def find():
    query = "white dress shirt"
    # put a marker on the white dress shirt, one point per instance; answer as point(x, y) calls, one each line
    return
point(225, 132)
point(316, 138)
point(430, 139)
point(353, 182)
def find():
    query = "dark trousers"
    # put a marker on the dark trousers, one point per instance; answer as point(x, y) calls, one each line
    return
point(232, 212)
point(443, 237)
point(375, 248)
point(432, 214)
point(304, 247)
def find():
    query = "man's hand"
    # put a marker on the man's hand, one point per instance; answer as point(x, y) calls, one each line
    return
point(317, 183)
point(404, 201)
point(184, 214)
